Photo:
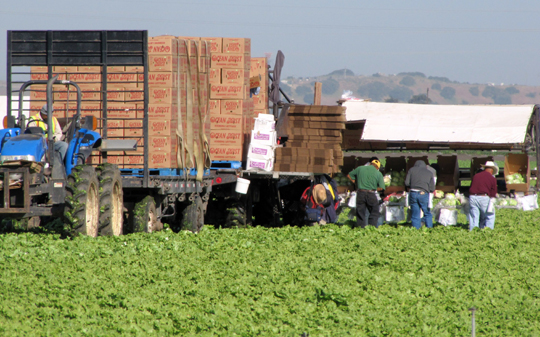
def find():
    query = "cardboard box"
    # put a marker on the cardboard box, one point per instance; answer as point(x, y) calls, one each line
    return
point(237, 45)
point(161, 127)
point(260, 152)
point(263, 138)
point(226, 122)
point(163, 159)
point(517, 163)
point(216, 44)
point(230, 91)
point(260, 101)
point(214, 107)
point(62, 69)
point(259, 66)
point(89, 69)
point(162, 80)
point(448, 174)
point(115, 69)
point(162, 96)
point(133, 128)
point(163, 63)
point(225, 137)
point(254, 164)
point(232, 76)
point(477, 162)
point(133, 160)
point(159, 144)
point(86, 77)
point(231, 152)
point(134, 95)
point(162, 111)
point(234, 61)
point(115, 128)
point(121, 110)
point(116, 95)
point(93, 160)
point(232, 107)
point(134, 69)
point(124, 80)
point(164, 45)
point(90, 91)
point(214, 75)
point(116, 160)
point(89, 109)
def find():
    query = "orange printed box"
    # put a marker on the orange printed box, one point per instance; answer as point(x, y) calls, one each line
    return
point(88, 109)
point(116, 69)
point(214, 75)
point(260, 101)
point(232, 107)
point(162, 80)
point(227, 91)
point(89, 69)
point(116, 160)
point(90, 92)
point(231, 61)
point(121, 110)
point(165, 44)
point(216, 44)
point(134, 94)
point(133, 128)
point(133, 160)
point(134, 69)
point(116, 95)
point(159, 143)
point(163, 111)
point(232, 122)
point(225, 137)
point(165, 159)
point(163, 63)
point(85, 77)
point(161, 127)
point(214, 106)
point(115, 128)
point(63, 69)
point(162, 95)
point(233, 76)
point(237, 45)
point(226, 152)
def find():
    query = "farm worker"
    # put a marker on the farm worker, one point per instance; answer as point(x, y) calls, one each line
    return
point(40, 120)
point(369, 180)
point(421, 183)
point(315, 200)
point(483, 188)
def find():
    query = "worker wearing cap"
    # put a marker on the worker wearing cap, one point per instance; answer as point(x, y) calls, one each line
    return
point(40, 120)
point(483, 188)
point(369, 180)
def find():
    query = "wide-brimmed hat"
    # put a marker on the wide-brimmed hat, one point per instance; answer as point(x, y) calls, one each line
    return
point(491, 164)
point(319, 193)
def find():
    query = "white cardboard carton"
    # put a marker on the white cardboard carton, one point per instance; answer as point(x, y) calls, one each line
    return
point(264, 125)
point(260, 152)
point(260, 164)
point(267, 138)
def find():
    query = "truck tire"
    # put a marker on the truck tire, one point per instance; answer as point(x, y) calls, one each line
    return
point(145, 216)
point(81, 210)
point(193, 216)
point(111, 199)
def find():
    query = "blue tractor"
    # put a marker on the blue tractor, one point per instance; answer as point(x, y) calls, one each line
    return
point(36, 183)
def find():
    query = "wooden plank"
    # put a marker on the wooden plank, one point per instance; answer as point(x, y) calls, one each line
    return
point(318, 93)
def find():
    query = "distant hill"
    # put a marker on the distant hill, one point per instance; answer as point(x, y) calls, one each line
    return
point(403, 86)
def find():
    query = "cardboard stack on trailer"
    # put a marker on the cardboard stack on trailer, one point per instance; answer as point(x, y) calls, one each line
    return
point(314, 140)
point(231, 108)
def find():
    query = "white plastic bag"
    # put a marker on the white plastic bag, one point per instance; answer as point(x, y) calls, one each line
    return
point(491, 206)
point(395, 214)
point(448, 216)
point(352, 200)
point(529, 202)
point(430, 203)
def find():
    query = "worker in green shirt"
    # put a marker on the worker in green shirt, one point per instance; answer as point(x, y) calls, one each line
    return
point(369, 180)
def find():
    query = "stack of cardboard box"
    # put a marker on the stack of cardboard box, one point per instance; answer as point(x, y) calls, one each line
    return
point(231, 107)
point(263, 142)
point(314, 140)
point(259, 78)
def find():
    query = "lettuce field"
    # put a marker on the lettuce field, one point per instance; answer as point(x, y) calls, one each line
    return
point(291, 281)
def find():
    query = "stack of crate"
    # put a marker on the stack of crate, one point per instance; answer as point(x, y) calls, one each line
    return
point(231, 108)
point(259, 75)
point(314, 140)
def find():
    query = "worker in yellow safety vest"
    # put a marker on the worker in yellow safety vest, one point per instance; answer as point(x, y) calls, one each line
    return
point(40, 120)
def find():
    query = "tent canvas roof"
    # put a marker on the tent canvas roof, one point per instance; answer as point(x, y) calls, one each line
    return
point(399, 122)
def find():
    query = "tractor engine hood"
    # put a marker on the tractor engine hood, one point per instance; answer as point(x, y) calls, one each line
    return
point(27, 147)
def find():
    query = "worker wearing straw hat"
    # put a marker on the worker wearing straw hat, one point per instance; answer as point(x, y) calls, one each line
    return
point(483, 188)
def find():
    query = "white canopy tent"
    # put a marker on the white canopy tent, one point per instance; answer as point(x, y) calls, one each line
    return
point(399, 122)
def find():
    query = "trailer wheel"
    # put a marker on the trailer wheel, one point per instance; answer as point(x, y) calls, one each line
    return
point(193, 216)
point(81, 210)
point(111, 199)
point(145, 216)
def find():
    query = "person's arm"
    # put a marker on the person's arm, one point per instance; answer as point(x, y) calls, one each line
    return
point(493, 190)
point(408, 179)
point(432, 184)
point(351, 179)
point(57, 131)
point(381, 183)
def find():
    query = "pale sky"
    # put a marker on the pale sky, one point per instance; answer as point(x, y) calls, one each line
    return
point(476, 41)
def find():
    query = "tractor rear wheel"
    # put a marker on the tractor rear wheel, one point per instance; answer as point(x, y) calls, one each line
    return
point(111, 199)
point(81, 210)
point(193, 216)
point(145, 216)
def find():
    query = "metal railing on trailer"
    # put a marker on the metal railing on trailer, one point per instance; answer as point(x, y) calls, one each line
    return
point(103, 48)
